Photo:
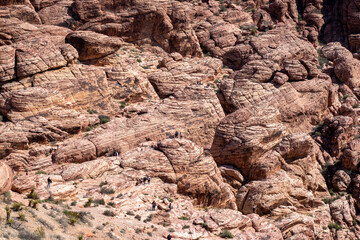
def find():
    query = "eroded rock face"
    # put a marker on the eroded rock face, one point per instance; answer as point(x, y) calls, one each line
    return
point(151, 121)
point(6, 177)
point(182, 162)
point(162, 22)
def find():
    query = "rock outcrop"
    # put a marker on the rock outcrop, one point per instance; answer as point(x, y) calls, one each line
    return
point(6, 177)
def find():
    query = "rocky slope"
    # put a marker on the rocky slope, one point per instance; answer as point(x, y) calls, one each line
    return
point(264, 97)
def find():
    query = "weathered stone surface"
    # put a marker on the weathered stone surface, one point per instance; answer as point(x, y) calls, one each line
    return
point(174, 75)
point(155, 23)
point(341, 180)
point(198, 104)
point(6, 177)
point(182, 162)
point(347, 70)
point(350, 156)
point(7, 63)
point(37, 55)
point(91, 169)
point(342, 212)
point(91, 45)
point(243, 136)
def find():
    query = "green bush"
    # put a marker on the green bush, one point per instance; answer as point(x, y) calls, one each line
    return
point(138, 230)
point(226, 234)
point(105, 190)
point(112, 204)
point(16, 206)
point(130, 213)
point(334, 225)
point(171, 230)
point(104, 119)
point(73, 203)
point(185, 227)
point(103, 183)
point(183, 218)
point(88, 203)
point(109, 213)
point(33, 194)
point(138, 217)
point(99, 201)
point(22, 217)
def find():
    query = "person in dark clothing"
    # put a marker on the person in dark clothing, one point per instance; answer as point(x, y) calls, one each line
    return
point(253, 208)
point(153, 205)
point(170, 206)
point(148, 178)
point(176, 134)
point(169, 237)
point(49, 182)
point(144, 180)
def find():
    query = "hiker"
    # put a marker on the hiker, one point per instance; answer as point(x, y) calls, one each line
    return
point(253, 208)
point(169, 237)
point(181, 135)
point(117, 155)
point(153, 205)
point(170, 206)
point(148, 178)
point(144, 180)
point(49, 182)
point(176, 134)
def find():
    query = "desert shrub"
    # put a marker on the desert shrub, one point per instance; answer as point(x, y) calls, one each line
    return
point(138, 217)
point(149, 218)
point(89, 202)
point(105, 190)
point(183, 218)
point(138, 230)
point(104, 119)
point(22, 217)
point(112, 204)
point(40, 172)
point(226, 234)
point(334, 225)
point(7, 197)
point(120, 195)
point(103, 183)
point(33, 194)
point(26, 235)
point(185, 227)
point(109, 213)
point(73, 216)
point(91, 111)
point(99, 201)
point(130, 213)
point(40, 232)
point(205, 225)
point(171, 230)
point(73, 203)
point(17, 207)
point(45, 223)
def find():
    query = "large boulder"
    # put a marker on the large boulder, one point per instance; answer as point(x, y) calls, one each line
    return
point(182, 162)
point(6, 177)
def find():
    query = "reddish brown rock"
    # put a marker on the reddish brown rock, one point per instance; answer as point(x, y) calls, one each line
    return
point(180, 161)
point(37, 55)
point(198, 104)
point(347, 70)
point(91, 169)
point(91, 45)
point(6, 174)
point(7, 63)
point(341, 180)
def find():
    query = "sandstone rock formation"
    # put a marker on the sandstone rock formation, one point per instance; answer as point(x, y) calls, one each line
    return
point(6, 177)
